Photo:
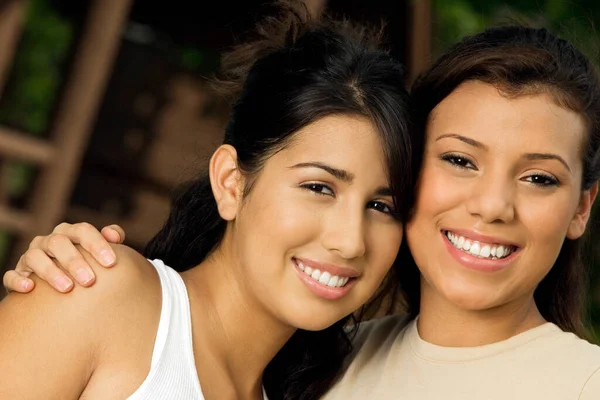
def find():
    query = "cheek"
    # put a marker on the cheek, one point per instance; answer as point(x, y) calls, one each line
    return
point(437, 194)
point(272, 228)
point(383, 245)
point(438, 191)
point(547, 221)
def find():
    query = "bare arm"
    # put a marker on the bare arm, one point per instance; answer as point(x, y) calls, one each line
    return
point(51, 344)
point(47, 345)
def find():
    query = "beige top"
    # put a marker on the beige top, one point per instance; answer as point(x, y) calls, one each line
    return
point(391, 361)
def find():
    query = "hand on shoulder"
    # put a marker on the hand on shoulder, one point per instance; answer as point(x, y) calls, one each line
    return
point(71, 334)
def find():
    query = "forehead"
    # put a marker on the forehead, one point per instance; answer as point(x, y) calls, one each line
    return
point(342, 137)
point(532, 121)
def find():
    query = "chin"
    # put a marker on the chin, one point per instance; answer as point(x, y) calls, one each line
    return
point(469, 297)
point(313, 320)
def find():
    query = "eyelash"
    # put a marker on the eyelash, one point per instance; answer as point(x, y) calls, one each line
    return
point(453, 159)
point(314, 187)
point(548, 180)
point(377, 205)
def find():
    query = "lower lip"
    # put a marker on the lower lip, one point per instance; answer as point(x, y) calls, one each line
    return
point(323, 291)
point(476, 263)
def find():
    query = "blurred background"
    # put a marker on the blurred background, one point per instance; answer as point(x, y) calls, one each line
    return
point(105, 107)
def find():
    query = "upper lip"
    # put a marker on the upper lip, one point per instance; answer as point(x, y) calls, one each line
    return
point(479, 237)
point(331, 268)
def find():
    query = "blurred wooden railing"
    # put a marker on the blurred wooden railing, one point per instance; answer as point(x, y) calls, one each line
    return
point(59, 156)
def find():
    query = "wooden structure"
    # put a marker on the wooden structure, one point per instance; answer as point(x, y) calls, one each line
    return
point(59, 156)
point(161, 155)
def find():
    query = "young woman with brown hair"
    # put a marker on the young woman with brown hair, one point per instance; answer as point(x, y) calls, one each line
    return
point(510, 162)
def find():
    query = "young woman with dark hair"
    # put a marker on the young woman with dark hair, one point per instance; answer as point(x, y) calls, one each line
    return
point(293, 230)
point(509, 167)
point(509, 174)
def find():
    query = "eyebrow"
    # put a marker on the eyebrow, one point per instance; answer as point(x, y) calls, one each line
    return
point(384, 191)
point(528, 156)
point(340, 174)
point(464, 139)
point(547, 156)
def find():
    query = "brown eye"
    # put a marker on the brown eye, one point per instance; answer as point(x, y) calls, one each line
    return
point(458, 161)
point(319, 188)
point(382, 207)
point(541, 180)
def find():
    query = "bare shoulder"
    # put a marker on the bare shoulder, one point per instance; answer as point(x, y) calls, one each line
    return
point(126, 297)
point(69, 334)
point(131, 277)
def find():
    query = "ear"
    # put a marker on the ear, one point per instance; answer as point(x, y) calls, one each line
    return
point(581, 217)
point(226, 181)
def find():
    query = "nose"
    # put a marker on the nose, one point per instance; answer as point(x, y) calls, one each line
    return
point(492, 200)
point(344, 232)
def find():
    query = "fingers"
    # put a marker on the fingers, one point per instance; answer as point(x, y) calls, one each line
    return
point(13, 281)
point(113, 233)
point(54, 257)
point(91, 240)
point(38, 262)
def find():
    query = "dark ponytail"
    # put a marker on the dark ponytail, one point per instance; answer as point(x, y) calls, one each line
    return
point(295, 72)
point(193, 228)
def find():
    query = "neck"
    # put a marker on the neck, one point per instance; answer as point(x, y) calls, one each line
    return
point(234, 336)
point(445, 324)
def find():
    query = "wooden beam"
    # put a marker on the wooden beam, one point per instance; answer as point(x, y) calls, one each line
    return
point(15, 221)
point(77, 111)
point(12, 15)
point(419, 37)
point(18, 145)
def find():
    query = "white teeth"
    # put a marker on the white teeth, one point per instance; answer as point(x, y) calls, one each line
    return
point(474, 249)
point(324, 278)
point(500, 251)
point(485, 251)
point(477, 249)
point(333, 281)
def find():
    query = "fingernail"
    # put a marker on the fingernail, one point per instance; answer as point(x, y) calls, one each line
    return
point(25, 284)
point(83, 276)
point(107, 257)
point(62, 283)
point(117, 233)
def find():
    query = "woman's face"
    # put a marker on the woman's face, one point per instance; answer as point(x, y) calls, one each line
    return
point(500, 190)
point(316, 235)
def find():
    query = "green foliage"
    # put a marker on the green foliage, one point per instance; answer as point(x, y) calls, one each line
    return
point(34, 82)
point(37, 71)
point(33, 86)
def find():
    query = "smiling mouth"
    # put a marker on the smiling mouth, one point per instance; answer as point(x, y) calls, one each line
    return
point(323, 278)
point(487, 251)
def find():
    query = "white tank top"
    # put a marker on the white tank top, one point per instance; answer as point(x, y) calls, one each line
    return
point(173, 374)
point(173, 369)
